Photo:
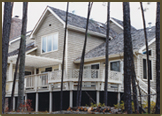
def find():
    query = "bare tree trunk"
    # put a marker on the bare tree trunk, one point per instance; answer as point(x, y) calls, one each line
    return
point(20, 100)
point(14, 81)
point(61, 100)
point(106, 54)
point(139, 89)
point(127, 58)
point(134, 86)
point(147, 54)
point(79, 94)
point(158, 59)
point(5, 40)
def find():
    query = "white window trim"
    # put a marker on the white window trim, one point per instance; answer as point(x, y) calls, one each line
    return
point(146, 69)
point(115, 61)
point(92, 64)
point(52, 42)
point(148, 50)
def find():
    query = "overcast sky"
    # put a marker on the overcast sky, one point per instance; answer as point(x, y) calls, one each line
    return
point(98, 13)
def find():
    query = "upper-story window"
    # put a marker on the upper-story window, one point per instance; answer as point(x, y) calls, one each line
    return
point(50, 43)
point(145, 69)
point(115, 66)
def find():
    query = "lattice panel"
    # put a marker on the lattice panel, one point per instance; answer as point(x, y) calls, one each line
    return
point(55, 75)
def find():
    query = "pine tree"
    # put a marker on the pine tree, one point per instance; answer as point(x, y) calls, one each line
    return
point(127, 58)
point(106, 54)
point(22, 57)
point(63, 57)
point(5, 41)
point(158, 59)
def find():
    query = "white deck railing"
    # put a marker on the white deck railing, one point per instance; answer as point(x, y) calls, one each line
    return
point(87, 73)
point(113, 76)
point(144, 90)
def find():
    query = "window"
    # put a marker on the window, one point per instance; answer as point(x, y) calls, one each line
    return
point(145, 69)
point(50, 43)
point(115, 66)
point(148, 51)
point(48, 69)
point(27, 73)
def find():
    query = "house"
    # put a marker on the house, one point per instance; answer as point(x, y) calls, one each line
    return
point(43, 63)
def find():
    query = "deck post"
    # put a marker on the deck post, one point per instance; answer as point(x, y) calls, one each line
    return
point(71, 98)
point(13, 103)
point(25, 99)
point(59, 66)
point(118, 100)
point(119, 90)
point(50, 101)
point(36, 102)
point(10, 72)
point(97, 97)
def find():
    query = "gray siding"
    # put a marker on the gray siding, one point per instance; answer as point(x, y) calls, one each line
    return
point(45, 29)
point(75, 45)
point(116, 28)
point(153, 60)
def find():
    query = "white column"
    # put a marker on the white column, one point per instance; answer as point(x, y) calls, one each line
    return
point(97, 85)
point(71, 98)
point(13, 103)
point(59, 66)
point(35, 70)
point(50, 101)
point(25, 97)
point(102, 86)
point(10, 78)
point(36, 102)
point(97, 97)
point(118, 100)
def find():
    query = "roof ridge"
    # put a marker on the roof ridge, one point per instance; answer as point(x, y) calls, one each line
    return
point(75, 14)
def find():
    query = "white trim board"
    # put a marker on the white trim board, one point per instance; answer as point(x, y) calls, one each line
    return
point(18, 38)
point(42, 17)
point(116, 23)
point(149, 43)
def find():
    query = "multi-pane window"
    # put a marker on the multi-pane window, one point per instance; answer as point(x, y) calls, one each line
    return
point(115, 66)
point(145, 69)
point(50, 43)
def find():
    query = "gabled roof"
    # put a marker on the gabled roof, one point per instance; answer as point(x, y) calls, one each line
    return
point(79, 23)
point(29, 47)
point(116, 45)
point(133, 29)
point(20, 36)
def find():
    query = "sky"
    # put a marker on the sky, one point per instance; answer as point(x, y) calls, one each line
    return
point(98, 12)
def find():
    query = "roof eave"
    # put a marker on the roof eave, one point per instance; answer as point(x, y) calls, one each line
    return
point(83, 30)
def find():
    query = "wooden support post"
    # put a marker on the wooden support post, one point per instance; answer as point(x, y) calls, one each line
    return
point(98, 97)
point(10, 77)
point(118, 100)
point(13, 103)
point(71, 98)
point(59, 66)
point(50, 101)
point(36, 102)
